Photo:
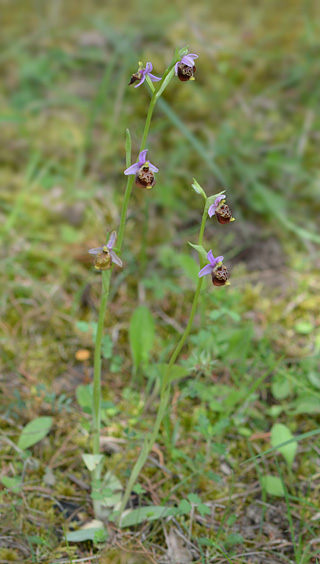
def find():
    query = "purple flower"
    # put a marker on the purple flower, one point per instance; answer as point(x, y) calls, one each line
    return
point(221, 210)
point(213, 207)
point(218, 271)
point(185, 68)
point(143, 171)
point(105, 256)
point(142, 73)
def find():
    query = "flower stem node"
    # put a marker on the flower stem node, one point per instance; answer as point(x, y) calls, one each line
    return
point(104, 256)
point(221, 210)
point(143, 171)
point(185, 69)
point(142, 74)
point(218, 271)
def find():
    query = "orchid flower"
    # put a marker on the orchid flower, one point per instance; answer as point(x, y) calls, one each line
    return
point(105, 256)
point(185, 68)
point(221, 210)
point(142, 73)
point(143, 171)
point(218, 271)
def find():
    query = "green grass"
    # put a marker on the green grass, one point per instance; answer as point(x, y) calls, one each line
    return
point(249, 123)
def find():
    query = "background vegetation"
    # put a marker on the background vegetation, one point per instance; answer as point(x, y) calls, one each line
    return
point(251, 370)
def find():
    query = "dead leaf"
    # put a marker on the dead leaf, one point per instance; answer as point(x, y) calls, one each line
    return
point(177, 551)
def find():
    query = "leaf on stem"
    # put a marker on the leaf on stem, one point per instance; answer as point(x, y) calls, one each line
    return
point(199, 248)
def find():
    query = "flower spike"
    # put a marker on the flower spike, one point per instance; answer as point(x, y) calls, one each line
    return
point(218, 271)
point(142, 73)
point(143, 170)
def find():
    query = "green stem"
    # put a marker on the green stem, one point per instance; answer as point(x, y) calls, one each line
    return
point(96, 411)
point(97, 363)
point(165, 387)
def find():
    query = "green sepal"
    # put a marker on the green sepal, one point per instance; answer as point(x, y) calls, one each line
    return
point(181, 52)
point(198, 189)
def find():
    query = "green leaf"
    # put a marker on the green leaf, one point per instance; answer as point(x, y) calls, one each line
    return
point(307, 404)
point(203, 509)
point(176, 371)
point(272, 485)
point(184, 507)
point(92, 460)
point(314, 379)
point(83, 326)
point(128, 148)
point(34, 432)
point(200, 250)
point(234, 538)
point(279, 434)
point(84, 397)
point(194, 498)
point(149, 513)
point(304, 327)
point(13, 484)
point(138, 489)
point(90, 531)
point(141, 334)
point(34, 539)
point(115, 487)
point(280, 387)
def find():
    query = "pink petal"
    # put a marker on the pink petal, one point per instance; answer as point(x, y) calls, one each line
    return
point(112, 240)
point(95, 251)
point(141, 81)
point(115, 258)
point(143, 157)
point(153, 78)
point(205, 270)
point(211, 258)
point(212, 210)
point(132, 169)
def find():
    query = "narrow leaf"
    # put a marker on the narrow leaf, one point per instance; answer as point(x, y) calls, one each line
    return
point(147, 513)
point(88, 532)
point(141, 334)
point(202, 252)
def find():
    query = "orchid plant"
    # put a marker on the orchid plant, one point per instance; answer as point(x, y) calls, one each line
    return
point(107, 256)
